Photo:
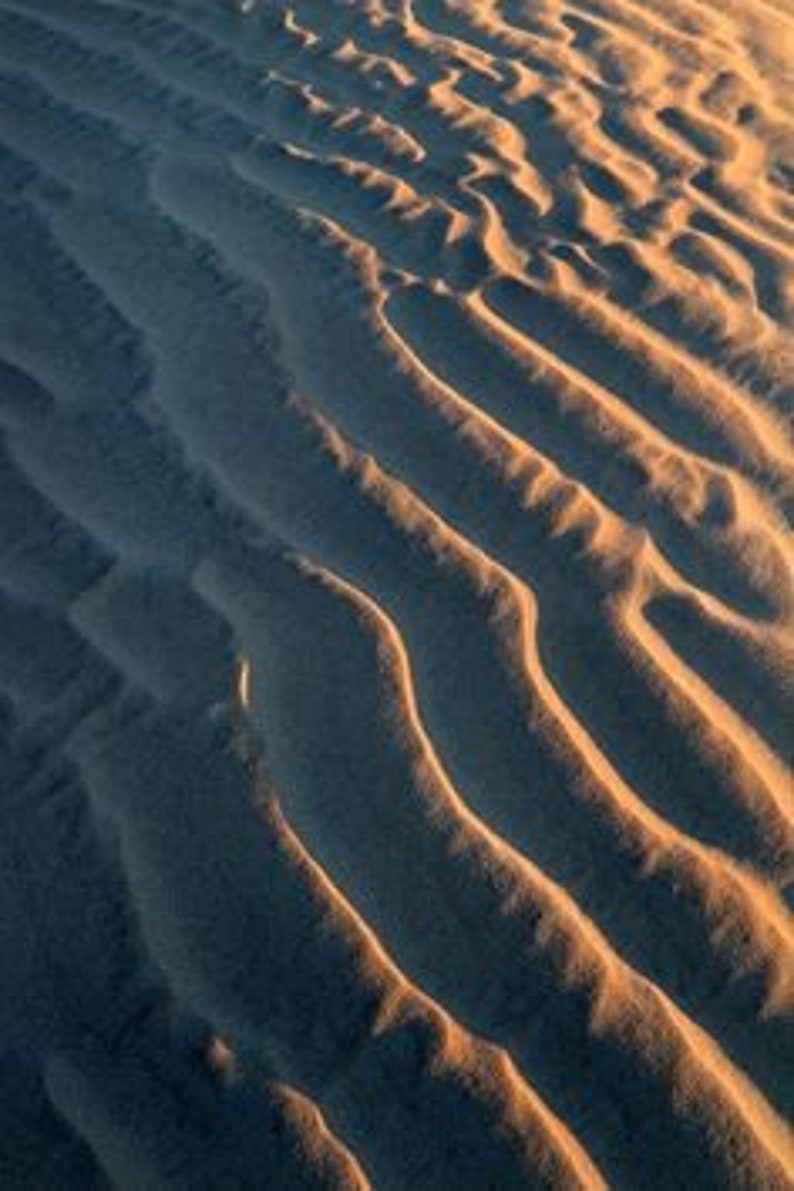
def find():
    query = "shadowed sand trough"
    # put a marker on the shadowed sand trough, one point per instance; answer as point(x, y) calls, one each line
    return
point(396, 666)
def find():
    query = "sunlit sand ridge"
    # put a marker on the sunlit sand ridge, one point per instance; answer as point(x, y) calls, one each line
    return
point(396, 666)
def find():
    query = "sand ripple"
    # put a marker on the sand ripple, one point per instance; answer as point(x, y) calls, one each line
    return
point(397, 588)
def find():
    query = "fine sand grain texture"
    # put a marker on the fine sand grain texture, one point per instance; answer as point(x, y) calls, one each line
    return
point(396, 595)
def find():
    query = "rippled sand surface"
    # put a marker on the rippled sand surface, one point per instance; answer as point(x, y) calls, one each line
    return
point(396, 662)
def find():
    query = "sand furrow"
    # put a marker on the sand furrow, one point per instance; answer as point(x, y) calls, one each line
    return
point(397, 594)
point(112, 1052)
point(360, 1034)
point(567, 991)
point(435, 414)
point(267, 485)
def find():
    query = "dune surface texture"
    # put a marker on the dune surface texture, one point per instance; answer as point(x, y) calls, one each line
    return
point(396, 661)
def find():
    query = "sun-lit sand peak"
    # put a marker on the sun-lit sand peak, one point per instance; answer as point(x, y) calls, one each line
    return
point(397, 594)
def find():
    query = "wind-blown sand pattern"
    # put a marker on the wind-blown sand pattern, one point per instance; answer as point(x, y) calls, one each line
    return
point(397, 668)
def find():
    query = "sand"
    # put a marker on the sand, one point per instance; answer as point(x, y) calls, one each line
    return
point(397, 594)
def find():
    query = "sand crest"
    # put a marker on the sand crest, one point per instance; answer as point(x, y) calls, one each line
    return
point(396, 594)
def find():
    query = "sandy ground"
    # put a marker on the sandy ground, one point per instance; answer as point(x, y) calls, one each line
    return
point(396, 661)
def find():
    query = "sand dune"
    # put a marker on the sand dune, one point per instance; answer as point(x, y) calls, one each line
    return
point(397, 594)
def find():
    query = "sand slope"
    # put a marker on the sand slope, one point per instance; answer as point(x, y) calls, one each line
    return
point(396, 591)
